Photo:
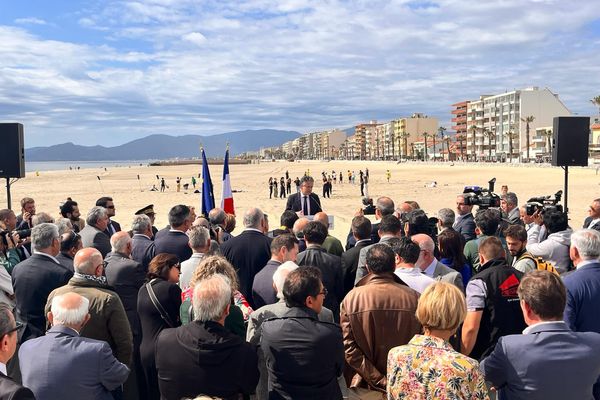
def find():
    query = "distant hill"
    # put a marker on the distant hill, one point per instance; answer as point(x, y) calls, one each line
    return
point(164, 147)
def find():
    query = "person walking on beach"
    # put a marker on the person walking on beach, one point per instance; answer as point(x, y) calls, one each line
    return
point(362, 183)
point(388, 175)
point(194, 182)
point(288, 184)
point(162, 184)
point(178, 184)
point(270, 188)
point(334, 176)
point(349, 176)
point(275, 188)
point(297, 183)
point(341, 176)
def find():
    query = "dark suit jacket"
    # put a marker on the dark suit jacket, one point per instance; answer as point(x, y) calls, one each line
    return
point(550, 362)
point(294, 203)
point(466, 227)
point(331, 271)
point(351, 241)
point(126, 276)
point(11, 390)
point(350, 264)
point(587, 222)
point(116, 226)
point(65, 260)
point(248, 253)
point(262, 288)
point(33, 280)
point(48, 364)
point(174, 242)
point(583, 297)
point(143, 250)
point(93, 237)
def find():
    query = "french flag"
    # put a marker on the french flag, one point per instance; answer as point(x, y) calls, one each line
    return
point(227, 197)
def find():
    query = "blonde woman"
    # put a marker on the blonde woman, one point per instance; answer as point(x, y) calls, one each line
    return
point(428, 367)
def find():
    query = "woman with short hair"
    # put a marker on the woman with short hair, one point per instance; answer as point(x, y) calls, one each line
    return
point(428, 367)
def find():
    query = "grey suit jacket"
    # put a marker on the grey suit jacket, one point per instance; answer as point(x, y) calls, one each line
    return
point(361, 270)
point(94, 237)
point(64, 365)
point(447, 274)
point(550, 362)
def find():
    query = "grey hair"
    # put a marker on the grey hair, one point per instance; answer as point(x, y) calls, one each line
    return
point(119, 243)
point(306, 178)
point(64, 225)
point(427, 244)
point(587, 243)
point(69, 316)
point(198, 236)
point(216, 216)
point(211, 297)
point(385, 205)
point(280, 274)
point(41, 218)
point(140, 223)
point(43, 235)
point(511, 198)
point(446, 217)
point(87, 267)
point(253, 217)
point(95, 214)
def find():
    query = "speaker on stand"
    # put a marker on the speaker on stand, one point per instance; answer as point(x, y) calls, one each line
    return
point(12, 154)
point(570, 146)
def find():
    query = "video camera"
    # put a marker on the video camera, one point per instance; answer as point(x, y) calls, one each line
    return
point(544, 203)
point(484, 198)
point(7, 235)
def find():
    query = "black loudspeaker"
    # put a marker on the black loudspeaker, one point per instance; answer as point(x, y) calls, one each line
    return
point(571, 141)
point(12, 151)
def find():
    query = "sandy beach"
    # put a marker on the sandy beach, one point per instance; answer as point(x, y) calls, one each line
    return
point(408, 182)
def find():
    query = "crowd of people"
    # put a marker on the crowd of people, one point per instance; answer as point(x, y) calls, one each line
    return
point(468, 306)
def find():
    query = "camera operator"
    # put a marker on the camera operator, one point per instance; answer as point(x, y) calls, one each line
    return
point(8, 222)
point(384, 206)
point(486, 222)
point(510, 208)
point(555, 248)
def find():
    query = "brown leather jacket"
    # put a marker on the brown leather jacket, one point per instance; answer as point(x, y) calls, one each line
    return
point(378, 314)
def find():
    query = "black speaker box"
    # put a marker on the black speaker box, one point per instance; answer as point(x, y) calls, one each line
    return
point(12, 151)
point(571, 141)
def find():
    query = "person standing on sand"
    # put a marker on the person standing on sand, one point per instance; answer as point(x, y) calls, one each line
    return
point(282, 188)
point(275, 188)
point(288, 184)
point(388, 175)
point(162, 184)
point(194, 182)
point(178, 184)
point(270, 188)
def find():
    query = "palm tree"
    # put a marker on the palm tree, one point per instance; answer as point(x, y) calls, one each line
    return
point(511, 136)
point(548, 134)
point(596, 102)
point(461, 138)
point(527, 121)
point(425, 136)
point(441, 131)
point(489, 134)
point(404, 136)
point(473, 129)
point(393, 146)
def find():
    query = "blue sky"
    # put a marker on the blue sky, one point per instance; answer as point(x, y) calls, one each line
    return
point(107, 72)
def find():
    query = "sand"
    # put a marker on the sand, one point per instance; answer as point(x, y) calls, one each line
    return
point(408, 182)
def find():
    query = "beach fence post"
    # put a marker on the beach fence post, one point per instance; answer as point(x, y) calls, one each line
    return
point(140, 183)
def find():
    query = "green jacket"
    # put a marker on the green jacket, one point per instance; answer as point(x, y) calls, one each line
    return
point(108, 320)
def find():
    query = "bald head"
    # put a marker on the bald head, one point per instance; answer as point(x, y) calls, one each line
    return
point(121, 243)
point(322, 218)
point(299, 225)
point(88, 261)
point(427, 247)
point(254, 218)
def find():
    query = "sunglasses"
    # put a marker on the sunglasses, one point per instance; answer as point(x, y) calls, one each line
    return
point(18, 326)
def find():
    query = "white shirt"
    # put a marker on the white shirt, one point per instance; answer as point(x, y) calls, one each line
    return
point(46, 255)
point(530, 327)
point(414, 278)
point(431, 268)
point(3, 369)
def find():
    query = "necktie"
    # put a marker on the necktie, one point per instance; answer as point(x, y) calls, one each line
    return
point(305, 205)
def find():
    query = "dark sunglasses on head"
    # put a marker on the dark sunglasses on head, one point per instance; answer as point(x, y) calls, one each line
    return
point(18, 326)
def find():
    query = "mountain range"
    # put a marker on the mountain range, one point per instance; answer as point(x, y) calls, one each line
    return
point(161, 147)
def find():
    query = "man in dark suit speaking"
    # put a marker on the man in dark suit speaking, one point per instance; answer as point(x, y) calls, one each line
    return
point(305, 202)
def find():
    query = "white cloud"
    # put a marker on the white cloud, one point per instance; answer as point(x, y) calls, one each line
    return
point(295, 64)
point(30, 21)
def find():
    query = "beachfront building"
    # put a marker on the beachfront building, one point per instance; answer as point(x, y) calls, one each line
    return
point(502, 127)
point(409, 130)
point(460, 126)
point(315, 145)
point(364, 140)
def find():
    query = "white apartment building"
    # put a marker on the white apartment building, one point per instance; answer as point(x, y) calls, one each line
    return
point(494, 119)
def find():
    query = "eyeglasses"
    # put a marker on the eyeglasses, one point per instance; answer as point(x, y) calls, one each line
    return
point(18, 326)
point(324, 292)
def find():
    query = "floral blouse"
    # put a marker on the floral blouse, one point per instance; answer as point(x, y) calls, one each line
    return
point(429, 368)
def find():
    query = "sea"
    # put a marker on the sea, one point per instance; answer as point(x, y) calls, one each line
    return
point(33, 166)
